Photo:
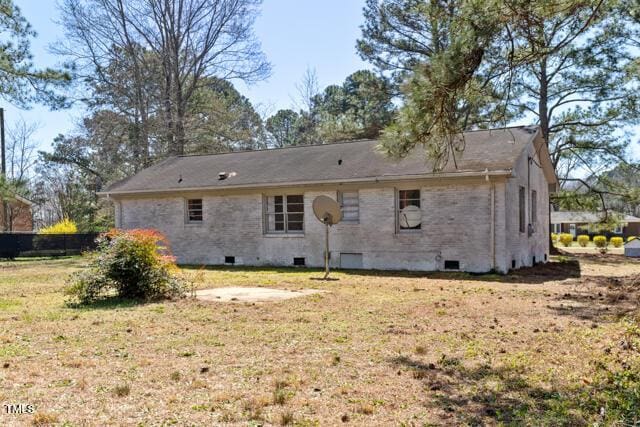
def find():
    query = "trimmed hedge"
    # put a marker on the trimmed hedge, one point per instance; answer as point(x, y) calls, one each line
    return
point(583, 240)
point(617, 242)
point(566, 239)
point(600, 241)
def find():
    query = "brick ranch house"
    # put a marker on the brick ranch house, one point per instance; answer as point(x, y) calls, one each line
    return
point(19, 214)
point(575, 223)
point(255, 207)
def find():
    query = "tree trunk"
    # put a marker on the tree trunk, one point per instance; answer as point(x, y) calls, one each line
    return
point(543, 115)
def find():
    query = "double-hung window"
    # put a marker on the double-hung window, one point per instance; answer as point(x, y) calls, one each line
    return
point(350, 204)
point(284, 213)
point(534, 207)
point(194, 211)
point(408, 212)
point(522, 219)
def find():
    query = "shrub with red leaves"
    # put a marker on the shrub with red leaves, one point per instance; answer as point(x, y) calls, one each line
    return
point(134, 264)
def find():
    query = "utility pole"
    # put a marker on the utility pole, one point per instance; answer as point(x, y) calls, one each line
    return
point(6, 226)
point(2, 145)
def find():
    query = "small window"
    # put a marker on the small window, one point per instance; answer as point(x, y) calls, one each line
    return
point(229, 260)
point(284, 214)
point(408, 213)
point(194, 210)
point(298, 261)
point(534, 206)
point(618, 229)
point(350, 204)
point(521, 211)
point(451, 265)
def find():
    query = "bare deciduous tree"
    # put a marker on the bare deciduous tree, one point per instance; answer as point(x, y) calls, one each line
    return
point(176, 43)
point(21, 150)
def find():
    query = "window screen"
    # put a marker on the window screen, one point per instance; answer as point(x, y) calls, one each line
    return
point(194, 210)
point(350, 204)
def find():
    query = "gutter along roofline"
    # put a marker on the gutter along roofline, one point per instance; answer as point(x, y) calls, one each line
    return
point(377, 179)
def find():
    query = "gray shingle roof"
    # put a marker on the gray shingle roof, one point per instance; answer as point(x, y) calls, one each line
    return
point(576, 217)
point(495, 150)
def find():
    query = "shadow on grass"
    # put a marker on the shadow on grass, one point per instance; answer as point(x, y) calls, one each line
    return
point(110, 303)
point(597, 298)
point(40, 258)
point(563, 268)
point(486, 395)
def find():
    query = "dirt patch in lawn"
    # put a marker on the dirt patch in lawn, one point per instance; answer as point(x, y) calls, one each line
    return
point(248, 294)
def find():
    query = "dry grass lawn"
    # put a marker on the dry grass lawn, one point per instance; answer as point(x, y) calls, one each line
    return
point(375, 349)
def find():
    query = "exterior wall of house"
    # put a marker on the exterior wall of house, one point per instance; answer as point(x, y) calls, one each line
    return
point(474, 221)
point(456, 225)
point(522, 248)
point(631, 229)
point(20, 214)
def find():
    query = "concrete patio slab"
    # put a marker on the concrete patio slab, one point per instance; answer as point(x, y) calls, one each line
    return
point(242, 294)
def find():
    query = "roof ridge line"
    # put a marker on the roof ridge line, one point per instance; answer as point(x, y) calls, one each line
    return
point(351, 141)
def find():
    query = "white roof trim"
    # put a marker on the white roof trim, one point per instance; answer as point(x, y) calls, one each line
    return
point(387, 178)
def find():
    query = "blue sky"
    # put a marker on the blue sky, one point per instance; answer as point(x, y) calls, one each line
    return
point(295, 35)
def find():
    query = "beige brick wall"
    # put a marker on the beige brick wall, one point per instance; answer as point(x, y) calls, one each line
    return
point(456, 225)
point(522, 247)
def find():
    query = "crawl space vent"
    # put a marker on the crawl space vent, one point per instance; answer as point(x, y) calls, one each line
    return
point(451, 265)
point(299, 261)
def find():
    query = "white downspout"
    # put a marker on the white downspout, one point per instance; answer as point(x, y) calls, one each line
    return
point(493, 225)
point(492, 210)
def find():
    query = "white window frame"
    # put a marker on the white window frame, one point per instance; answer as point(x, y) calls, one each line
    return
point(619, 229)
point(399, 229)
point(340, 197)
point(187, 211)
point(266, 214)
point(534, 207)
point(522, 208)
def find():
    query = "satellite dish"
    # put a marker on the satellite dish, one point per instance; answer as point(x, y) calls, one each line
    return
point(329, 213)
point(410, 216)
point(327, 210)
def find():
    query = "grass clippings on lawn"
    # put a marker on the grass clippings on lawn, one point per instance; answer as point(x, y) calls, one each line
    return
point(376, 349)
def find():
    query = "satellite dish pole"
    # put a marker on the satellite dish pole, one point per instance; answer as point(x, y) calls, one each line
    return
point(326, 250)
point(329, 213)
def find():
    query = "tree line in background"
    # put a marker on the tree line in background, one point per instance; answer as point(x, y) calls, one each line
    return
point(156, 79)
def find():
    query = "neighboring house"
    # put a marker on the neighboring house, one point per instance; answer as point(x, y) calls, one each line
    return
point(254, 207)
point(18, 213)
point(576, 223)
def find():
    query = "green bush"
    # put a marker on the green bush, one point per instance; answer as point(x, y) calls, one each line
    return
point(131, 264)
point(630, 238)
point(617, 242)
point(583, 240)
point(554, 237)
point(600, 241)
point(566, 239)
